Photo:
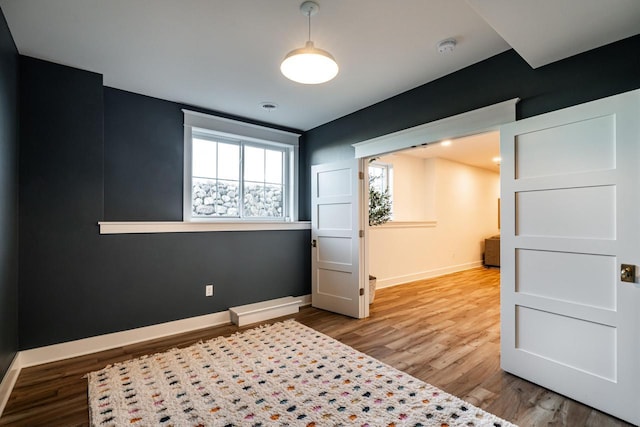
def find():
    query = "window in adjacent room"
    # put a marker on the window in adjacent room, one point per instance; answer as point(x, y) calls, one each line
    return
point(381, 179)
point(379, 176)
point(231, 177)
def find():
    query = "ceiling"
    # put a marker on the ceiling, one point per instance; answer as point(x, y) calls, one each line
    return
point(475, 150)
point(225, 55)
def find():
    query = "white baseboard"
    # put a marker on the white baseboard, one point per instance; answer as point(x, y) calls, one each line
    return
point(66, 350)
point(9, 380)
point(306, 300)
point(264, 310)
point(399, 280)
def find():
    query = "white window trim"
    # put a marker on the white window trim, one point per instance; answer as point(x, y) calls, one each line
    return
point(136, 227)
point(233, 129)
point(388, 173)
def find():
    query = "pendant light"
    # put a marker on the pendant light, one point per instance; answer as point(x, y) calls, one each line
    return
point(309, 65)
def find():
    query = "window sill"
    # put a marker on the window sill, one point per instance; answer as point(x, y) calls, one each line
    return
point(407, 224)
point(133, 227)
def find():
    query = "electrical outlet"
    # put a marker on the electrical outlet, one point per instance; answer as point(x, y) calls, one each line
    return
point(208, 290)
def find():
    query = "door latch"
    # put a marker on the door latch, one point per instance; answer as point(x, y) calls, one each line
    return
point(628, 273)
point(313, 243)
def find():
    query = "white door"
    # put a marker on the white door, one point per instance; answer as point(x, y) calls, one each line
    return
point(337, 271)
point(570, 219)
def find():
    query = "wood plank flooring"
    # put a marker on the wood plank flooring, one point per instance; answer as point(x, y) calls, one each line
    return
point(444, 331)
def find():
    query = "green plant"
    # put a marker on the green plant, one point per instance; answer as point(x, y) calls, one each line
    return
point(379, 206)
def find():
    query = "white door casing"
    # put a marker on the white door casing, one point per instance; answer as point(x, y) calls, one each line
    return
point(337, 253)
point(570, 217)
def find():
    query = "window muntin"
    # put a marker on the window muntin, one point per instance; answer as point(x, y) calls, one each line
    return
point(238, 180)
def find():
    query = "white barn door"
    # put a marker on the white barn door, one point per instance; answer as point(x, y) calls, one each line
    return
point(570, 221)
point(337, 269)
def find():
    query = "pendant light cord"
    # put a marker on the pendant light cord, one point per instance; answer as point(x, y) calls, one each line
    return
point(309, 17)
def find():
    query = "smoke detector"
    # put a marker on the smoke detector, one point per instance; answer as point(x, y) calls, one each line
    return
point(447, 46)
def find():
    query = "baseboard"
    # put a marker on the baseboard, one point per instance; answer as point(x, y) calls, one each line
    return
point(9, 380)
point(258, 312)
point(66, 350)
point(399, 280)
point(306, 300)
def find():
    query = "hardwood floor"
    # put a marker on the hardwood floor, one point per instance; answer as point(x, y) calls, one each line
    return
point(444, 331)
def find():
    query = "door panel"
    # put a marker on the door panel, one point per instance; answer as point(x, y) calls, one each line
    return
point(543, 334)
point(580, 278)
point(570, 218)
point(337, 271)
point(545, 152)
point(580, 212)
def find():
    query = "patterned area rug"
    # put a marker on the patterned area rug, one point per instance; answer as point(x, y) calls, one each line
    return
point(284, 374)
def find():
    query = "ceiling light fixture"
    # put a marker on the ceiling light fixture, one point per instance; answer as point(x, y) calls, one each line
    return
point(446, 143)
point(309, 65)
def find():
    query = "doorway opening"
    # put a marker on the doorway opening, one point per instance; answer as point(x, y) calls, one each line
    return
point(445, 204)
point(430, 257)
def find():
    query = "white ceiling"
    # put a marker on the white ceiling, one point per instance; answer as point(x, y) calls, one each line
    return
point(475, 150)
point(224, 55)
point(546, 31)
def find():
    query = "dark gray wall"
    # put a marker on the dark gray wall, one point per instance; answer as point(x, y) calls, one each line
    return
point(8, 197)
point(592, 75)
point(60, 199)
point(76, 283)
point(143, 158)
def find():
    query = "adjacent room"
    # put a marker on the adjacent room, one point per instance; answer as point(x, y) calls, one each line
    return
point(185, 229)
point(444, 199)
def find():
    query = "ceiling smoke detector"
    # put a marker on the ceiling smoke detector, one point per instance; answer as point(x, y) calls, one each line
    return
point(447, 46)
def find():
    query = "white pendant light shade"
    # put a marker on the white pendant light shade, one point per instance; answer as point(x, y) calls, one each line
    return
point(309, 65)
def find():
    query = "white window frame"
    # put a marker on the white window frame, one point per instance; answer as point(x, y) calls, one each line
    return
point(387, 177)
point(227, 129)
point(387, 174)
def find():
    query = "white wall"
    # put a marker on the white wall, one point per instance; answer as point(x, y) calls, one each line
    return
point(409, 187)
point(443, 211)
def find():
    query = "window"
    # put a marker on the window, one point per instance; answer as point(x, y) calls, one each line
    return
point(380, 189)
point(379, 176)
point(217, 188)
point(234, 177)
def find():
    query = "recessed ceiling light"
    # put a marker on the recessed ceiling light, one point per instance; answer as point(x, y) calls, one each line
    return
point(497, 160)
point(268, 106)
point(446, 143)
